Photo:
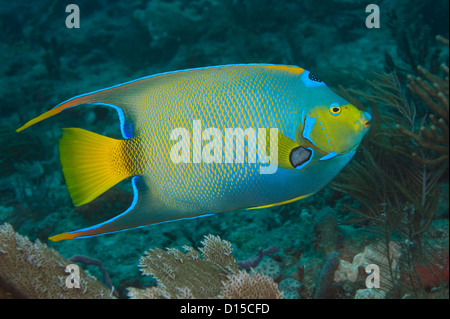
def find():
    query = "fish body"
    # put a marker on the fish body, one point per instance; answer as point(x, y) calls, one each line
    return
point(188, 115)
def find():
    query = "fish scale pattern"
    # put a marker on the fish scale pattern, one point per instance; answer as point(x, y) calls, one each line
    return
point(241, 98)
point(228, 107)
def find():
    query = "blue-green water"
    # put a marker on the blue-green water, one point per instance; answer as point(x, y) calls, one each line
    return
point(44, 62)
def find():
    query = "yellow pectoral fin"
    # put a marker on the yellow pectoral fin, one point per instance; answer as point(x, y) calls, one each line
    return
point(280, 203)
point(285, 147)
point(291, 155)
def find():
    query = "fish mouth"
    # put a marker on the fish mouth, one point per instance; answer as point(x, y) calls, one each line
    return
point(364, 122)
point(367, 119)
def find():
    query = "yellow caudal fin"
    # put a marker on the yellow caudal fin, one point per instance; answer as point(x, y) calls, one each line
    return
point(91, 163)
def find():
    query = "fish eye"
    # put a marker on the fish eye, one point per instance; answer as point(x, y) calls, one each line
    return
point(335, 109)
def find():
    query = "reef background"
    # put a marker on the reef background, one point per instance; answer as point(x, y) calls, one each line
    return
point(45, 63)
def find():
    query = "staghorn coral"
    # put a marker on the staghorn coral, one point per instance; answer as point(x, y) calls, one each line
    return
point(33, 270)
point(213, 274)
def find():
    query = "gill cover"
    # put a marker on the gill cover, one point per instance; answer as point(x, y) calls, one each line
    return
point(335, 129)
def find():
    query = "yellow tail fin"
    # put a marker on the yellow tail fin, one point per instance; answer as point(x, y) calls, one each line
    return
point(91, 163)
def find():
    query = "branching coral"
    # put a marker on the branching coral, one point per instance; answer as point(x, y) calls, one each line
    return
point(433, 90)
point(33, 270)
point(212, 274)
point(396, 176)
point(399, 168)
point(414, 46)
point(243, 285)
point(384, 179)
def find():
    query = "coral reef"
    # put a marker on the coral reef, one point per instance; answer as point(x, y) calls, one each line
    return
point(269, 268)
point(394, 192)
point(253, 262)
point(290, 288)
point(373, 254)
point(414, 46)
point(327, 275)
point(33, 270)
point(433, 90)
point(242, 285)
point(385, 173)
point(432, 275)
point(396, 177)
point(326, 232)
point(187, 275)
point(90, 261)
point(369, 293)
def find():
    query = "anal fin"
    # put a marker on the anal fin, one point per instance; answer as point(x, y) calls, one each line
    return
point(280, 203)
point(123, 221)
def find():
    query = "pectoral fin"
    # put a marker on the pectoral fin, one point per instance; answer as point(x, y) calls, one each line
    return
point(291, 155)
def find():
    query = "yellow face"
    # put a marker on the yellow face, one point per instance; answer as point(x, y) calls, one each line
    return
point(334, 129)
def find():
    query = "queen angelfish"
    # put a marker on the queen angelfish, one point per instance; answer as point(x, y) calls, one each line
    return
point(198, 142)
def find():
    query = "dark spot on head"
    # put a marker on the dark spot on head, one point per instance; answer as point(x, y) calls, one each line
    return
point(313, 77)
